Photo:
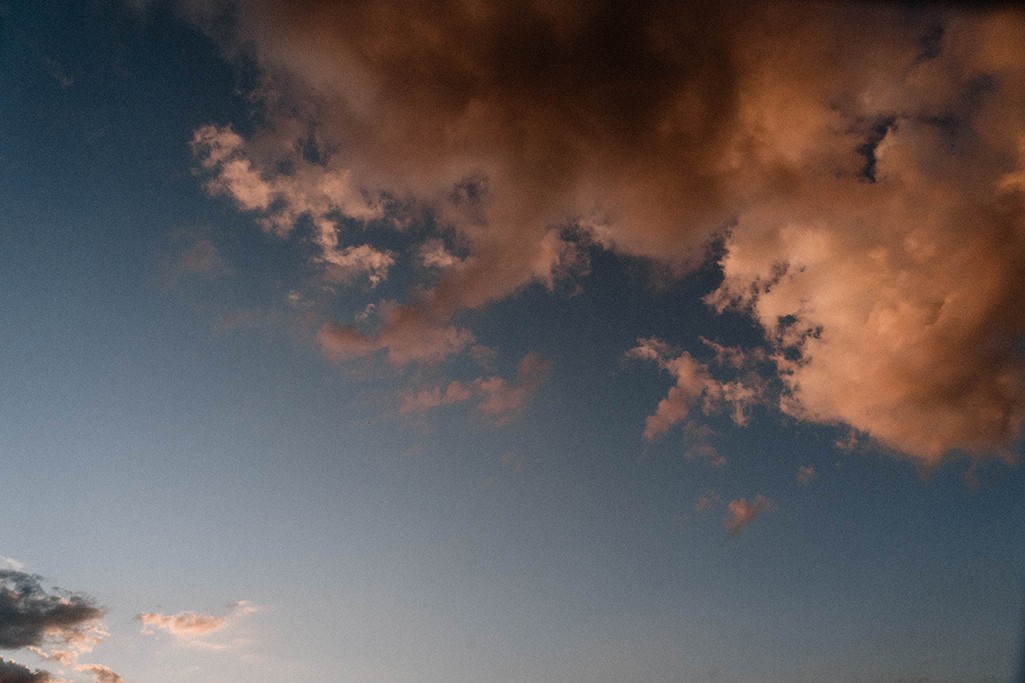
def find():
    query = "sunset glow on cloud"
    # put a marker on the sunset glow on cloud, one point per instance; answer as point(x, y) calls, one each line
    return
point(494, 341)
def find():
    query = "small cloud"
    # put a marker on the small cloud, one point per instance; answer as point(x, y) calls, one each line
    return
point(280, 200)
point(405, 334)
point(56, 623)
point(705, 501)
point(741, 513)
point(185, 625)
point(805, 475)
point(11, 563)
point(201, 257)
point(190, 627)
point(101, 673)
point(695, 387)
point(496, 397)
point(512, 462)
point(434, 254)
point(706, 453)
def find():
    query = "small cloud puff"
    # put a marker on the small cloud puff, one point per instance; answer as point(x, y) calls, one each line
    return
point(741, 513)
point(805, 475)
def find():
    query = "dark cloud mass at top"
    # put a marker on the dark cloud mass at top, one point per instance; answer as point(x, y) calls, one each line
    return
point(856, 160)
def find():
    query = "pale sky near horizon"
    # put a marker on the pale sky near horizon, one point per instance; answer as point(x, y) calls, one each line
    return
point(511, 342)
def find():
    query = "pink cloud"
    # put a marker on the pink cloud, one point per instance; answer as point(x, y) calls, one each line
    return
point(741, 513)
point(805, 475)
point(190, 627)
point(405, 333)
point(496, 397)
point(102, 674)
point(694, 387)
point(184, 625)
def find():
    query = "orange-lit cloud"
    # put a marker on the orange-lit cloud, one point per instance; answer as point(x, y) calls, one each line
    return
point(741, 513)
point(695, 387)
point(101, 673)
point(805, 475)
point(496, 398)
point(858, 159)
point(190, 627)
point(404, 333)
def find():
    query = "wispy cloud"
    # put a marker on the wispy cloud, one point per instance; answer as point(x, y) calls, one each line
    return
point(404, 333)
point(280, 200)
point(101, 673)
point(495, 397)
point(805, 475)
point(695, 387)
point(191, 628)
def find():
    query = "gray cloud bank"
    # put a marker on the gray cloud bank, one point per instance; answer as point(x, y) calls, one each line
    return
point(12, 672)
point(31, 615)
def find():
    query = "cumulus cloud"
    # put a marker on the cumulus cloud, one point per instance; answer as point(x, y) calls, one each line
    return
point(191, 627)
point(12, 672)
point(741, 513)
point(496, 397)
point(859, 159)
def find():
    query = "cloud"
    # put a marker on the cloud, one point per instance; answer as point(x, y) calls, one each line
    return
point(705, 501)
point(183, 625)
point(33, 616)
point(805, 475)
point(496, 397)
point(190, 627)
point(279, 200)
point(694, 387)
point(855, 166)
point(12, 672)
point(102, 674)
point(201, 257)
point(405, 334)
point(741, 513)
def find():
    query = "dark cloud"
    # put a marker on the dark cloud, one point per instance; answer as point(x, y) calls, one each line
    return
point(33, 616)
point(12, 672)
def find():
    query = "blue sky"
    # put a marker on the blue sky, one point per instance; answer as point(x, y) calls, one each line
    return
point(215, 416)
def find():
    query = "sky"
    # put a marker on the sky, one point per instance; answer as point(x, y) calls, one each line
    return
point(511, 342)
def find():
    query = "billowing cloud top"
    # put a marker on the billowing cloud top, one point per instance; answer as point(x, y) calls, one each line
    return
point(857, 160)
